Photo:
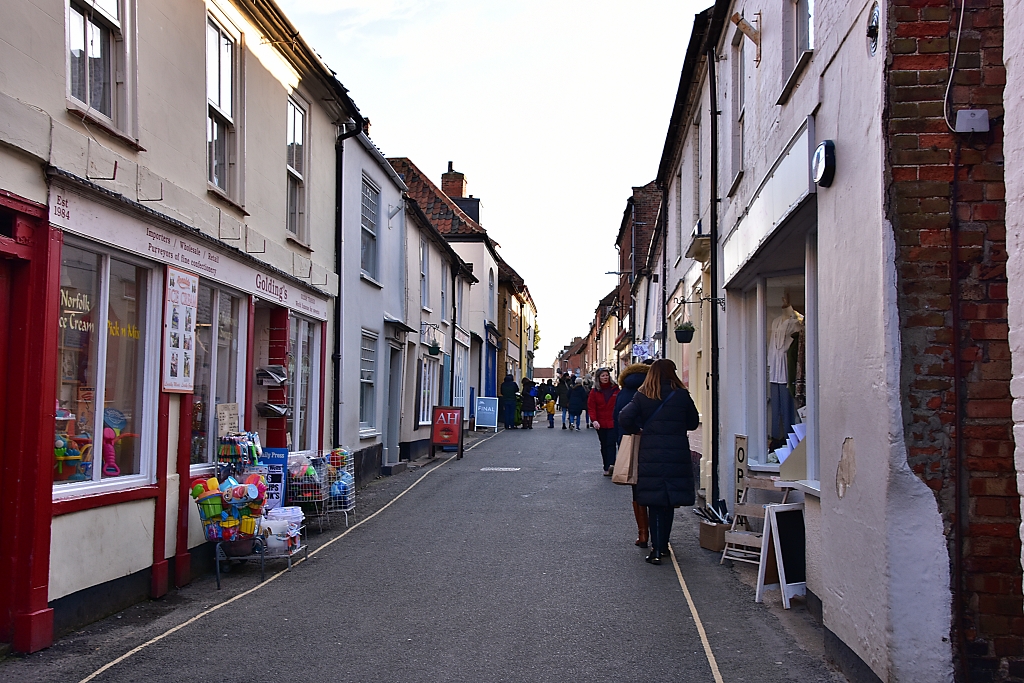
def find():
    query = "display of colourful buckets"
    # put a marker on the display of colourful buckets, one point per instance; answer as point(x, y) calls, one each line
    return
point(211, 505)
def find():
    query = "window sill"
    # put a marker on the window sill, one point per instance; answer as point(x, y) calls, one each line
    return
point(291, 239)
point(794, 77)
point(103, 124)
point(735, 183)
point(202, 469)
point(811, 487)
point(427, 309)
point(212, 189)
point(89, 496)
point(368, 434)
point(365, 277)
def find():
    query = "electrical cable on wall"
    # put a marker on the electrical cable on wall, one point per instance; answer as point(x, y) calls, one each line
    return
point(952, 68)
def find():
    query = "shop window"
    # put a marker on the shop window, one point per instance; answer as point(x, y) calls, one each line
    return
point(368, 222)
point(218, 384)
point(103, 430)
point(367, 381)
point(303, 381)
point(221, 119)
point(429, 387)
point(786, 357)
point(296, 135)
point(461, 373)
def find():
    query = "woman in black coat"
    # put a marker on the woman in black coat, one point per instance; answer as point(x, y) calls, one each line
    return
point(663, 410)
point(577, 404)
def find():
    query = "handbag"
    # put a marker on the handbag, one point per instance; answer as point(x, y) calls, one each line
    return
point(627, 459)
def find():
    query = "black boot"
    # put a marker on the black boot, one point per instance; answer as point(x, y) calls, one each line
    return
point(654, 557)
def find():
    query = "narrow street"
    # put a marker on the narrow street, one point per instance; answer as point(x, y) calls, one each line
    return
point(470, 575)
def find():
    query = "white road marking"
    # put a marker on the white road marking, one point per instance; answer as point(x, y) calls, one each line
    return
point(696, 619)
point(175, 629)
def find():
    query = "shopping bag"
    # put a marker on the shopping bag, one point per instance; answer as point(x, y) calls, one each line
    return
point(626, 460)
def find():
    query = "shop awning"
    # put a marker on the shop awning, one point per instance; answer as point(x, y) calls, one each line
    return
point(397, 322)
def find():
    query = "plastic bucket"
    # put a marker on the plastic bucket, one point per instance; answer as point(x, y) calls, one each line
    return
point(247, 526)
point(211, 505)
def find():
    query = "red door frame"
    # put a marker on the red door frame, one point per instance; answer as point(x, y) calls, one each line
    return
point(26, 506)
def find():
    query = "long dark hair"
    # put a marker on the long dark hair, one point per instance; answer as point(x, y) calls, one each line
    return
point(662, 371)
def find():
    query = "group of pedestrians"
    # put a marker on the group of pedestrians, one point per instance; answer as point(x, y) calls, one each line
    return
point(521, 407)
point(650, 401)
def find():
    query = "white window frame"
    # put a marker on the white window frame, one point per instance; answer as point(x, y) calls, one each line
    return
point(425, 276)
point(296, 229)
point(459, 298)
point(739, 102)
point(240, 370)
point(368, 341)
point(231, 118)
point(295, 383)
point(445, 313)
point(150, 382)
point(491, 299)
point(429, 386)
point(123, 73)
point(461, 376)
point(369, 222)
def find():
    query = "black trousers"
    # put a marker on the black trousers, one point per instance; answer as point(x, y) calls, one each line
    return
point(659, 519)
point(608, 446)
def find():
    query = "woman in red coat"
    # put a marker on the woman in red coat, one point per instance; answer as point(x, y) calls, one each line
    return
point(600, 409)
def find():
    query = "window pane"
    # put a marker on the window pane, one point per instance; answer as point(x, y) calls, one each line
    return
point(76, 55)
point(226, 76)
point(296, 137)
point(217, 149)
point(367, 378)
point(368, 253)
point(122, 417)
point(212, 64)
point(78, 339)
point(292, 222)
point(306, 373)
point(110, 7)
point(227, 349)
point(99, 68)
point(202, 409)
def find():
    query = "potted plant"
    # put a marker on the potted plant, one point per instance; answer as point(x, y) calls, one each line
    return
point(684, 332)
point(434, 349)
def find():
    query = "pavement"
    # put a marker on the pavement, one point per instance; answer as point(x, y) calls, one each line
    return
point(515, 563)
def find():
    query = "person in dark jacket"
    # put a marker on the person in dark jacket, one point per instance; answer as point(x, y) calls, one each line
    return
point(564, 387)
point(630, 380)
point(577, 404)
point(663, 410)
point(600, 409)
point(529, 409)
point(509, 391)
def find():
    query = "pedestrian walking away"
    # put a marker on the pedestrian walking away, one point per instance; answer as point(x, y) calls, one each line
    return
point(529, 410)
point(662, 412)
point(509, 391)
point(630, 380)
point(577, 404)
point(564, 387)
point(600, 410)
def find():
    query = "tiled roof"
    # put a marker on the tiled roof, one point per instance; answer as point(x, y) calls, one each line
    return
point(443, 213)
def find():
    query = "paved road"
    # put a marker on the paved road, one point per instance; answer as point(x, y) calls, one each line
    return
point(472, 575)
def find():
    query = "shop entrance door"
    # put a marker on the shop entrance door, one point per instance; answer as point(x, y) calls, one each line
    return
point(393, 407)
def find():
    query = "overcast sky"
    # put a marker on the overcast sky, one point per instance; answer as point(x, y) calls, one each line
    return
point(553, 109)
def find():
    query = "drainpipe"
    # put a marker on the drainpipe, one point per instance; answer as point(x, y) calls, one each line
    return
point(339, 193)
point(716, 446)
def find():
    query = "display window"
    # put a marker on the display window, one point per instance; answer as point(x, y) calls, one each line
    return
point(219, 374)
point(303, 377)
point(107, 372)
point(786, 356)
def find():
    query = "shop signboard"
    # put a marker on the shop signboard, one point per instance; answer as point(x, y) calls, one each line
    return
point(446, 429)
point(276, 462)
point(487, 412)
point(181, 297)
point(642, 349)
point(76, 214)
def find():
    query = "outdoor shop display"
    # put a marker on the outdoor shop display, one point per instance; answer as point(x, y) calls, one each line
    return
point(322, 484)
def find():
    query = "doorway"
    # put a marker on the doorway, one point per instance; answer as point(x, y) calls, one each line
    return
point(393, 403)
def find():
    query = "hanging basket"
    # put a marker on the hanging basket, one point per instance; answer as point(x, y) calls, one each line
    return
point(434, 349)
point(684, 336)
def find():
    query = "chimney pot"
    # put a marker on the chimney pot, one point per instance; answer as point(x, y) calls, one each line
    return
point(449, 167)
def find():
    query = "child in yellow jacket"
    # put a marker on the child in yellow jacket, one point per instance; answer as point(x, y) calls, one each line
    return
point(549, 406)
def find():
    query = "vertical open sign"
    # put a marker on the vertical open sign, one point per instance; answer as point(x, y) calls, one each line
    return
point(446, 430)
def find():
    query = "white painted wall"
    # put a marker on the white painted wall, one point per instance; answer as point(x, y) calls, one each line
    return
point(1013, 147)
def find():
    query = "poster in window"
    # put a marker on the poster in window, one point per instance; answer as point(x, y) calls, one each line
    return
point(181, 296)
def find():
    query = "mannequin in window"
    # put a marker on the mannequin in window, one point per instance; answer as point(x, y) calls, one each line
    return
point(783, 329)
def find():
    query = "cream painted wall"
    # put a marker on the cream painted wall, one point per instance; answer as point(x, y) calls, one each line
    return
point(122, 535)
point(1013, 148)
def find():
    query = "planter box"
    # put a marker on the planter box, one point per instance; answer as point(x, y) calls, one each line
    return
point(712, 536)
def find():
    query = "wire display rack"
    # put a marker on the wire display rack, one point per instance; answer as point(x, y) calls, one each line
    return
point(342, 492)
point(309, 487)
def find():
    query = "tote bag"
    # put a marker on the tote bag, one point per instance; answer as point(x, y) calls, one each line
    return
point(626, 460)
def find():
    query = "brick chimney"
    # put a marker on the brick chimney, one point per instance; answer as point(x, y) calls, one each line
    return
point(453, 183)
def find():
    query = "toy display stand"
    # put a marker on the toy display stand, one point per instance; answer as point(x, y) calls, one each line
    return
point(260, 552)
point(342, 488)
point(312, 492)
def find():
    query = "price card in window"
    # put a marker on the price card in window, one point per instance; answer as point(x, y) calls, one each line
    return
point(181, 297)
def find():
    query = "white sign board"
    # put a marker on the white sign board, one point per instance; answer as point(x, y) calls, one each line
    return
point(487, 412)
point(97, 221)
point(181, 297)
